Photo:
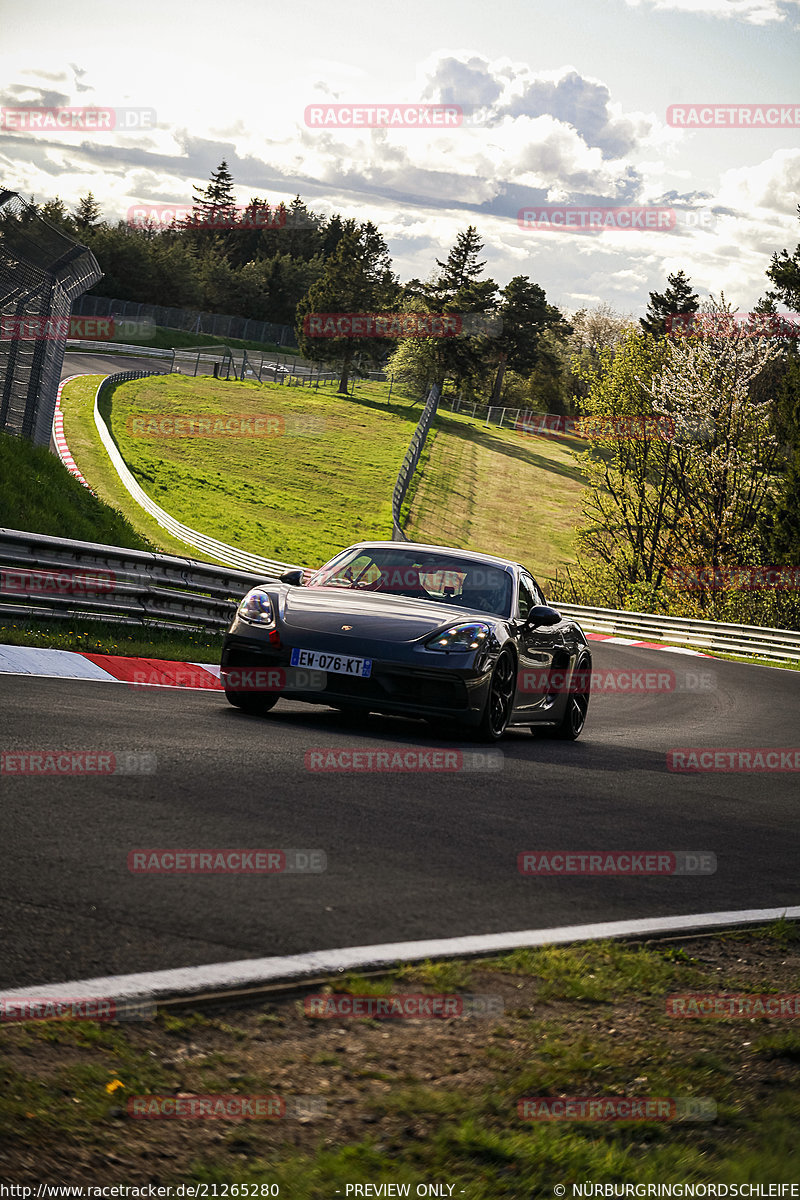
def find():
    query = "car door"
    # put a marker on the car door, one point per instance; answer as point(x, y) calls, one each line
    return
point(536, 648)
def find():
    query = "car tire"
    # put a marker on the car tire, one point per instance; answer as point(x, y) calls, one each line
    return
point(572, 722)
point(500, 701)
point(350, 716)
point(254, 705)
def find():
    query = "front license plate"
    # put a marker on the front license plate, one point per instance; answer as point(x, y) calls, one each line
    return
point(339, 664)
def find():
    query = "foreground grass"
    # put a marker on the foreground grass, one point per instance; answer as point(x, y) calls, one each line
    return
point(102, 637)
point(38, 495)
point(500, 492)
point(432, 1101)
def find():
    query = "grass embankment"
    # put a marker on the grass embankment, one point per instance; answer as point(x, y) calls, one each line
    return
point(298, 495)
point(77, 406)
point(38, 495)
point(432, 1101)
point(301, 498)
point(501, 492)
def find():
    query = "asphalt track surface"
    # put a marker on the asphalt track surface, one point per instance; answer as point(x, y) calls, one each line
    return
point(409, 855)
point(76, 363)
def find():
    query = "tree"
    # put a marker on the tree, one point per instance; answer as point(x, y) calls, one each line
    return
point(594, 330)
point(781, 519)
point(683, 489)
point(459, 290)
point(784, 273)
point(87, 214)
point(678, 299)
point(462, 267)
point(214, 206)
point(357, 278)
point(525, 315)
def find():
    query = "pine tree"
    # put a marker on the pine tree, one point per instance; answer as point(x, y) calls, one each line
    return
point(784, 273)
point(525, 314)
point(458, 289)
point(678, 299)
point(462, 266)
point(357, 278)
point(87, 214)
point(214, 206)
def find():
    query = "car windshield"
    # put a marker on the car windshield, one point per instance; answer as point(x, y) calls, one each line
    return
point(420, 575)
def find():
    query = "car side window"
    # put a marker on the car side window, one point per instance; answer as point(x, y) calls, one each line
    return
point(538, 598)
point(526, 597)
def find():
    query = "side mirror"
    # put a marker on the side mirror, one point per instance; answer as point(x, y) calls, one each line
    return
point(542, 616)
point(294, 577)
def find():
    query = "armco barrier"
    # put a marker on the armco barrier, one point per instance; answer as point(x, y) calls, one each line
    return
point(411, 459)
point(47, 577)
point(775, 645)
point(221, 551)
point(173, 592)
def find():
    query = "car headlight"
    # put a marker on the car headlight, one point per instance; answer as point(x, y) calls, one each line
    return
point(469, 636)
point(256, 608)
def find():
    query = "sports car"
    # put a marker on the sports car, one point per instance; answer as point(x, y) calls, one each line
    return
point(415, 630)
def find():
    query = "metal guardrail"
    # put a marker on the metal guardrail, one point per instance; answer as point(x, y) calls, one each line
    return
point(775, 645)
point(229, 555)
point(410, 461)
point(48, 577)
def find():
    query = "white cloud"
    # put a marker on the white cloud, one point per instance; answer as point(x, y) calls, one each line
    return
point(753, 12)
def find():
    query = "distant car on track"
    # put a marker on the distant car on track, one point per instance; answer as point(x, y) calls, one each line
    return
point(415, 630)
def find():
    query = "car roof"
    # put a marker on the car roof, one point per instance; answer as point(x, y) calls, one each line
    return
point(473, 554)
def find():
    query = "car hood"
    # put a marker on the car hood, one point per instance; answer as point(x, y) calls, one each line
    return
point(372, 615)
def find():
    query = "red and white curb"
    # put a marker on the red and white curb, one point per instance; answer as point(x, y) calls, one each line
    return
point(59, 438)
point(160, 672)
point(185, 982)
point(109, 668)
point(621, 641)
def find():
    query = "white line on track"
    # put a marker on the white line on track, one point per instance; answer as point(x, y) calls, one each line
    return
point(255, 972)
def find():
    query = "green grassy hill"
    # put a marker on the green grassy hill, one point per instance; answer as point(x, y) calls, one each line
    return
point(499, 491)
point(300, 496)
point(38, 495)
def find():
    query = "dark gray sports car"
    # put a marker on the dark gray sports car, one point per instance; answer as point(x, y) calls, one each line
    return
point(417, 630)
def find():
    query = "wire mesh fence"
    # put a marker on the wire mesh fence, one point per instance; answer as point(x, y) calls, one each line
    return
point(42, 273)
point(188, 320)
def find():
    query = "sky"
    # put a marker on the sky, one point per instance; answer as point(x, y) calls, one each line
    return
point(562, 103)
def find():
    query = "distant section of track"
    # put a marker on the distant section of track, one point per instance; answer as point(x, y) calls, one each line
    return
point(108, 364)
point(409, 856)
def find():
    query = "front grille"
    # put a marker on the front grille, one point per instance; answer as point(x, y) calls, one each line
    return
point(388, 685)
